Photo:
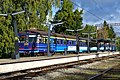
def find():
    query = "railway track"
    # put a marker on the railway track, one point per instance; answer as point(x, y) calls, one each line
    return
point(98, 75)
point(102, 75)
point(17, 75)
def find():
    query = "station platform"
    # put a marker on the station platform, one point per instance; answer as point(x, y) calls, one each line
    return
point(26, 63)
point(35, 58)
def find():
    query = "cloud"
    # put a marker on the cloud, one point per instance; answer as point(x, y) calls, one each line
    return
point(108, 10)
point(105, 9)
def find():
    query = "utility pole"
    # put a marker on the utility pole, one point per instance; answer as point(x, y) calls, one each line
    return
point(50, 25)
point(77, 38)
point(16, 44)
point(88, 42)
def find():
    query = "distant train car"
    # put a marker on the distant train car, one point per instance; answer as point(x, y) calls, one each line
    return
point(106, 45)
point(101, 46)
point(83, 45)
point(93, 45)
point(113, 46)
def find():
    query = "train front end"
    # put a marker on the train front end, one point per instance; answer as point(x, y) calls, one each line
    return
point(27, 43)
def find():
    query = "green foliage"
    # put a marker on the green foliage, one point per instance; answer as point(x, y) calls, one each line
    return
point(72, 20)
point(118, 43)
point(107, 32)
point(111, 33)
point(89, 29)
point(6, 38)
point(36, 12)
point(105, 24)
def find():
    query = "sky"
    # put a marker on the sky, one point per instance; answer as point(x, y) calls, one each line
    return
point(96, 11)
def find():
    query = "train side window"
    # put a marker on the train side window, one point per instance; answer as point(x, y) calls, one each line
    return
point(65, 41)
point(73, 42)
point(51, 40)
point(81, 43)
point(70, 42)
point(55, 41)
point(32, 39)
point(58, 42)
point(22, 39)
point(45, 40)
point(61, 41)
point(42, 40)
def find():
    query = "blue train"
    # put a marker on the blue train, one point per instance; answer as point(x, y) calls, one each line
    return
point(35, 41)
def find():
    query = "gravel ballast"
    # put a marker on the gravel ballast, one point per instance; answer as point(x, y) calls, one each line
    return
point(78, 72)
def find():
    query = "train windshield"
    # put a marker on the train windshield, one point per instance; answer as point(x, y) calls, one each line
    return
point(22, 39)
point(32, 38)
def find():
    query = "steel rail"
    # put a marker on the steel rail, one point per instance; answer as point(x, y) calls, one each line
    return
point(31, 72)
point(102, 73)
point(98, 75)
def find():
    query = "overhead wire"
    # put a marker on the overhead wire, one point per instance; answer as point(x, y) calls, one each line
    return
point(99, 6)
point(91, 12)
point(87, 10)
point(117, 29)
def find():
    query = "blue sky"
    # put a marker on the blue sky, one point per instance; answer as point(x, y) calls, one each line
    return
point(108, 10)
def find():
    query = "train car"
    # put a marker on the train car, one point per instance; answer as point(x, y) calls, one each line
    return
point(106, 45)
point(83, 47)
point(113, 46)
point(35, 41)
point(27, 42)
point(93, 45)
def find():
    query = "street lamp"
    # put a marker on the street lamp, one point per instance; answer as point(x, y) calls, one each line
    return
point(77, 38)
point(89, 39)
point(16, 53)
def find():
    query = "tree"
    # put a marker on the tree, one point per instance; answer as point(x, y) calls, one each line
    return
point(72, 20)
point(111, 33)
point(36, 12)
point(118, 43)
point(6, 38)
point(89, 29)
point(106, 32)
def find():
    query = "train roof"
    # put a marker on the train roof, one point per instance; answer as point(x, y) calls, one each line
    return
point(103, 40)
point(41, 32)
point(33, 31)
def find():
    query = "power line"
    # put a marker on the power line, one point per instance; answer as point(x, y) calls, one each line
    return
point(99, 6)
point(87, 11)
